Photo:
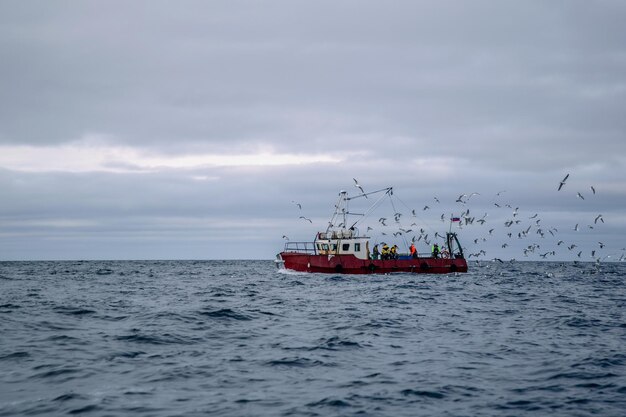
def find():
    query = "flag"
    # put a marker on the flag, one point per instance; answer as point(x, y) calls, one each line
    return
point(455, 219)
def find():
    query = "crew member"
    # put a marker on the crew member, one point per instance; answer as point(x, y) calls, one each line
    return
point(375, 252)
point(413, 251)
point(435, 251)
point(385, 252)
point(394, 252)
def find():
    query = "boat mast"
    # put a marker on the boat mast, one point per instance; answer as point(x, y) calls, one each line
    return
point(341, 209)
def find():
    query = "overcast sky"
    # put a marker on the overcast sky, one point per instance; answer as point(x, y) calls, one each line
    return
point(186, 129)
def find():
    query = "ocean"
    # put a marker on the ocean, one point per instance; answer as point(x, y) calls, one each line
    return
point(239, 338)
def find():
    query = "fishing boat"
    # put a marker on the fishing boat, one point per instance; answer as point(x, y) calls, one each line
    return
point(340, 249)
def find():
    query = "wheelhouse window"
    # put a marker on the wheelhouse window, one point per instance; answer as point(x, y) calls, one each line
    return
point(345, 247)
point(357, 247)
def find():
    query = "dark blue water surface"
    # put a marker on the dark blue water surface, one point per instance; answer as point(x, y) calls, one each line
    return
point(238, 338)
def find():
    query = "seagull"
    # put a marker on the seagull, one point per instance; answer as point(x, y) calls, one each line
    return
point(297, 204)
point(305, 218)
point(576, 227)
point(598, 218)
point(472, 194)
point(500, 192)
point(580, 195)
point(562, 183)
point(426, 208)
point(356, 184)
point(436, 199)
point(285, 237)
point(382, 221)
point(593, 189)
point(460, 199)
point(601, 245)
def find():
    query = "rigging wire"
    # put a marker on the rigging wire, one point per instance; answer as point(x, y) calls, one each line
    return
point(373, 206)
point(426, 223)
point(342, 209)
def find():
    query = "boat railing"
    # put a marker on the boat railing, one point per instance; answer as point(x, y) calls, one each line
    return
point(300, 247)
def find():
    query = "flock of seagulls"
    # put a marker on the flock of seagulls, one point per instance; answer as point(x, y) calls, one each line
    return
point(540, 231)
point(516, 227)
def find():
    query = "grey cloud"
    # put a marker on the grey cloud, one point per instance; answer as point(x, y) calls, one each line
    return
point(239, 71)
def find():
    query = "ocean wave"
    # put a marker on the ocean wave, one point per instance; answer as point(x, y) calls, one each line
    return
point(225, 313)
point(59, 374)
point(14, 355)
point(330, 402)
point(296, 362)
point(124, 354)
point(422, 393)
point(335, 343)
point(583, 375)
point(70, 397)
point(157, 339)
point(85, 409)
point(73, 311)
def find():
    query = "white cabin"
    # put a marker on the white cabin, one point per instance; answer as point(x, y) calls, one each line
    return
point(342, 242)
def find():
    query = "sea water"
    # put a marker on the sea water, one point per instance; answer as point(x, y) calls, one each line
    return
point(240, 338)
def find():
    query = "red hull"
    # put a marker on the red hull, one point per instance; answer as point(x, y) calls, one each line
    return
point(350, 264)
